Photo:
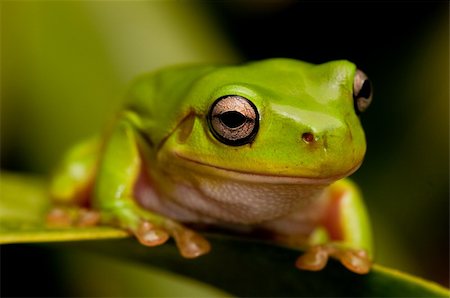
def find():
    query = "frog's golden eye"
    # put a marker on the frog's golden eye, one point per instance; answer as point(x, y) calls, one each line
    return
point(233, 120)
point(362, 91)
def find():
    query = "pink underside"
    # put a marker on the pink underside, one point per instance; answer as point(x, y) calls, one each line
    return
point(282, 209)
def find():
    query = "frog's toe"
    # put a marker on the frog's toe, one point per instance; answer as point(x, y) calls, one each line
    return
point(357, 261)
point(87, 218)
point(314, 259)
point(59, 217)
point(150, 235)
point(190, 244)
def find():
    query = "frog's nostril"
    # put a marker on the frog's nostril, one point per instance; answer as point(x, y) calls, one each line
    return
point(308, 137)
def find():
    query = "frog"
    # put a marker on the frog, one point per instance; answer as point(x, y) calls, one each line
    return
point(261, 146)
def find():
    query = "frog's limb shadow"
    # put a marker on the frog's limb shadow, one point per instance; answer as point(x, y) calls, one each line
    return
point(345, 232)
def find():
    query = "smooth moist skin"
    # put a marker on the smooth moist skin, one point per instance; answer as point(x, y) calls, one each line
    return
point(263, 145)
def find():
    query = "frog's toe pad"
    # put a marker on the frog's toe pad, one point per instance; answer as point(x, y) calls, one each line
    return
point(59, 217)
point(150, 235)
point(355, 260)
point(189, 243)
point(314, 259)
point(87, 218)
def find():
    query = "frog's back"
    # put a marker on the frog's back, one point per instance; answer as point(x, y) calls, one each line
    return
point(162, 99)
point(158, 97)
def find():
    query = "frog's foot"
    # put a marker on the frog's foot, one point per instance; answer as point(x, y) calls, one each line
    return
point(153, 230)
point(72, 217)
point(315, 258)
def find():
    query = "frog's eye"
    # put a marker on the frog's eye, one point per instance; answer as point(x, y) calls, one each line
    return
point(362, 91)
point(233, 120)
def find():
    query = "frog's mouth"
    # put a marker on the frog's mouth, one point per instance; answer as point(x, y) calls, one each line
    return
point(208, 169)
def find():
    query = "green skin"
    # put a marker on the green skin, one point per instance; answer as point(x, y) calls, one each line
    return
point(163, 134)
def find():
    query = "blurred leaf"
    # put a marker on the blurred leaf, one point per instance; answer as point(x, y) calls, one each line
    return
point(23, 207)
point(66, 66)
point(239, 266)
point(84, 275)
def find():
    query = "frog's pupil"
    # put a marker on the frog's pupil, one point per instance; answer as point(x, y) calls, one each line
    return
point(366, 89)
point(232, 119)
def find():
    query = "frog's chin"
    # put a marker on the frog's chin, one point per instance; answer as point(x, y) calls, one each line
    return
point(208, 169)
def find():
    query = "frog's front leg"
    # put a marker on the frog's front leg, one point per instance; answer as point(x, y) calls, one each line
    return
point(71, 184)
point(114, 196)
point(345, 233)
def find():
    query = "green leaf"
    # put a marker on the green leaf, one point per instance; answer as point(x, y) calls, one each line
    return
point(23, 207)
point(238, 266)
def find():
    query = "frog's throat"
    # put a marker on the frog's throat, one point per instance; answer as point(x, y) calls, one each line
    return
point(260, 177)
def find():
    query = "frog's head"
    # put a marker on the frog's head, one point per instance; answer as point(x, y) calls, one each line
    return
point(275, 120)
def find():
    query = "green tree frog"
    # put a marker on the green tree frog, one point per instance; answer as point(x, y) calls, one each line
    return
point(262, 146)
